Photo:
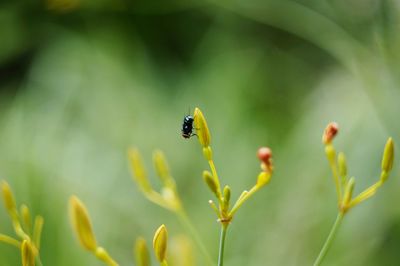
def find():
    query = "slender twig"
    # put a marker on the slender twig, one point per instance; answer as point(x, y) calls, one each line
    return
point(329, 240)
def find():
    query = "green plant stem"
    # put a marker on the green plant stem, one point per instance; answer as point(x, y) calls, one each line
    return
point(329, 240)
point(192, 230)
point(224, 228)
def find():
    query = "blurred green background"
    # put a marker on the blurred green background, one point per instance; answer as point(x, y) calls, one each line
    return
point(83, 80)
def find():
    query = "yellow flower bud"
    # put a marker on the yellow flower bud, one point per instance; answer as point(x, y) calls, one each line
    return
point(139, 173)
point(27, 254)
point(210, 181)
point(201, 128)
point(348, 193)
point(80, 221)
point(226, 199)
point(26, 218)
point(8, 197)
point(227, 194)
point(141, 252)
point(161, 165)
point(263, 179)
point(388, 156)
point(342, 164)
point(160, 243)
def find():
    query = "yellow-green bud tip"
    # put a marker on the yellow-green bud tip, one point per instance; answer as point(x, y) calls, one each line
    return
point(348, 193)
point(160, 243)
point(330, 132)
point(342, 164)
point(227, 194)
point(388, 156)
point(210, 181)
point(138, 170)
point(141, 252)
point(8, 197)
point(201, 128)
point(160, 163)
point(81, 224)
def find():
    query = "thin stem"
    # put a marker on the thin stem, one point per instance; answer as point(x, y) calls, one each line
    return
point(216, 178)
point(243, 197)
point(329, 240)
point(336, 180)
point(103, 255)
point(222, 244)
point(164, 263)
point(10, 240)
point(192, 230)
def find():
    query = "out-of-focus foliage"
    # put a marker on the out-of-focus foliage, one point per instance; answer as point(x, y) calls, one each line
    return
point(83, 80)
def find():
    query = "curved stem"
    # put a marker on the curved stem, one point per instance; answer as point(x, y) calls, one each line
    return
point(222, 245)
point(329, 240)
point(192, 230)
point(242, 199)
point(10, 240)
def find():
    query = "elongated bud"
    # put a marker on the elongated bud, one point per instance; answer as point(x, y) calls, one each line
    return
point(139, 173)
point(141, 252)
point(348, 193)
point(226, 199)
point(263, 179)
point(8, 197)
point(161, 165)
point(26, 217)
point(388, 156)
point(27, 254)
point(201, 128)
point(37, 230)
point(160, 243)
point(342, 164)
point(210, 181)
point(80, 221)
point(330, 132)
point(227, 194)
point(264, 154)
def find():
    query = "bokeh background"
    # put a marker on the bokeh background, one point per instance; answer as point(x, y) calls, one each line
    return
point(83, 80)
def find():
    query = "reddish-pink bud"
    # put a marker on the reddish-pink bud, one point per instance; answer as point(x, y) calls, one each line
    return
point(330, 132)
point(265, 156)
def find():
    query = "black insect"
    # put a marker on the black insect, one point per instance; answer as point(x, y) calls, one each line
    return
point(187, 127)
